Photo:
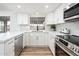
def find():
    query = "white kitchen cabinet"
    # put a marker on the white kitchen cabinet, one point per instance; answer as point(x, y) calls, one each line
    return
point(59, 14)
point(42, 38)
point(22, 19)
point(9, 47)
point(52, 42)
point(1, 49)
point(38, 39)
point(52, 45)
point(56, 16)
point(50, 18)
point(33, 39)
point(25, 39)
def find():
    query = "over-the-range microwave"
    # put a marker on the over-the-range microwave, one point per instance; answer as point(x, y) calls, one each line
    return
point(72, 14)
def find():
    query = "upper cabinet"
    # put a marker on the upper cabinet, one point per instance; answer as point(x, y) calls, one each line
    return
point(50, 19)
point(23, 19)
point(57, 16)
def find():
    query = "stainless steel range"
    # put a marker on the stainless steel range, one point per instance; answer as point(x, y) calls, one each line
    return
point(69, 44)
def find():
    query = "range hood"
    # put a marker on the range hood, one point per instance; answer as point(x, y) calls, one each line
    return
point(72, 14)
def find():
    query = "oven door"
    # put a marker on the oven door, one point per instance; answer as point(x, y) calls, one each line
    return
point(59, 51)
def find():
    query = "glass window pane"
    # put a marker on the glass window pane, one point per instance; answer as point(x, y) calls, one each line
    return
point(4, 23)
point(1, 26)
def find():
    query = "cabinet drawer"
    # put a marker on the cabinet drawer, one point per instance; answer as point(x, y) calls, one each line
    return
point(9, 48)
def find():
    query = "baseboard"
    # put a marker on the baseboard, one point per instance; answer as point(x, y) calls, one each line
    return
point(36, 46)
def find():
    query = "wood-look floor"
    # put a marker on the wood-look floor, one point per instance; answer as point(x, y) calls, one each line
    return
point(36, 51)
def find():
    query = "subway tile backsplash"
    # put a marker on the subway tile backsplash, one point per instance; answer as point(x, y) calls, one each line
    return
point(73, 26)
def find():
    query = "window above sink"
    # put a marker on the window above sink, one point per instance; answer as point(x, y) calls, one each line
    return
point(37, 23)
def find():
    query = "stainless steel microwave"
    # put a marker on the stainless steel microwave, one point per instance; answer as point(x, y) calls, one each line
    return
point(72, 14)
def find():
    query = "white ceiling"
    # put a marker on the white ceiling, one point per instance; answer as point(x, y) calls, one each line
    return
point(30, 8)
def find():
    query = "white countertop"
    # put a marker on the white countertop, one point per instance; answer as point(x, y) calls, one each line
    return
point(8, 35)
point(55, 32)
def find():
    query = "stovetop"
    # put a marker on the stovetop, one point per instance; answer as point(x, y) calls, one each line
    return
point(70, 38)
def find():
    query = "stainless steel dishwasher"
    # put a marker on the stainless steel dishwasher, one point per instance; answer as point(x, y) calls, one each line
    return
point(18, 44)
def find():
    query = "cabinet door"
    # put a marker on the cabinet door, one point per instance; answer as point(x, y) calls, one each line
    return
point(53, 46)
point(2, 49)
point(9, 48)
point(22, 19)
point(26, 38)
point(19, 18)
point(50, 19)
point(61, 14)
point(33, 39)
point(45, 37)
point(42, 39)
point(56, 17)
point(25, 19)
point(52, 42)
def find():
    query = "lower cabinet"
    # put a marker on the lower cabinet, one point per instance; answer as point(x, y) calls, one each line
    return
point(24, 40)
point(43, 37)
point(33, 39)
point(9, 47)
point(52, 43)
point(52, 46)
point(26, 37)
point(1, 49)
point(38, 39)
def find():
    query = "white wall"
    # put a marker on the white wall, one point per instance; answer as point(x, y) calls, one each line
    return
point(73, 26)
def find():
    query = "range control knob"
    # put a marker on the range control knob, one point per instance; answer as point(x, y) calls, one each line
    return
point(77, 50)
point(72, 48)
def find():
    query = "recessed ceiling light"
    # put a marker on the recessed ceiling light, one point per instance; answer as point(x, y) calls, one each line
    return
point(67, 7)
point(46, 6)
point(18, 6)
